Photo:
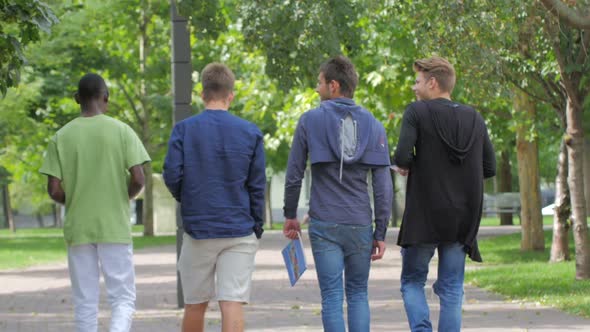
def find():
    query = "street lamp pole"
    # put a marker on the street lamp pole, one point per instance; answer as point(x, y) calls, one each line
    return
point(181, 89)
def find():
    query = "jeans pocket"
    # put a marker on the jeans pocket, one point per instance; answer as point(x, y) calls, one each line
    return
point(322, 236)
point(362, 236)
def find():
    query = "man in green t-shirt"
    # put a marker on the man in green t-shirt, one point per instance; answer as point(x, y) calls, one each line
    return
point(94, 167)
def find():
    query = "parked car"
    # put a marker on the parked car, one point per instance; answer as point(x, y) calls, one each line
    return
point(549, 210)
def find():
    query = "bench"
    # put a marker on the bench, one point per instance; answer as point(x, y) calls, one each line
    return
point(501, 203)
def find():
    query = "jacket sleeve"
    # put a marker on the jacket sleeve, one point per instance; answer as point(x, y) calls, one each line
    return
point(489, 156)
point(174, 163)
point(295, 170)
point(256, 185)
point(382, 197)
point(404, 152)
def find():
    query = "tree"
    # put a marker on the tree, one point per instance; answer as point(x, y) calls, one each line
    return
point(370, 35)
point(571, 47)
point(6, 207)
point(128, 53)
point(495, 59)
point(568, 15)
point(528, 176)
point(20, 24)
point(297, 36)
point(22, 142)
point(560, 242)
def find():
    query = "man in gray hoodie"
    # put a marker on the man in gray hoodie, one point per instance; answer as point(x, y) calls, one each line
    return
point(344, 143)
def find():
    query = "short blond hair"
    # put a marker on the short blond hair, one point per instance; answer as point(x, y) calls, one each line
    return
point(439, 68)
point(218, 81)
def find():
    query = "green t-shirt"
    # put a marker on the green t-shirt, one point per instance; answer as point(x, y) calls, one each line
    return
point(91, 156)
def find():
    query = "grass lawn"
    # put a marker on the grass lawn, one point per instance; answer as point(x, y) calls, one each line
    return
point(35, 246)
point(528, 276)
point(495, 221)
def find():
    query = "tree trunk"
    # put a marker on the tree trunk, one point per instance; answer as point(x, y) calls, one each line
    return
point(559, 245)
point(57, 215)
point(528, 177)
point(575, 149)
point(587, 174)
point(148, 201)
point(54, 212)
point(7, 208)
point(62, 212)
point(39, 219)
point(268, 205)
point(505, 184)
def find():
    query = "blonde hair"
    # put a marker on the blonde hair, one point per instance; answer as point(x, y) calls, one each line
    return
point(439, 68)
point(218, 81)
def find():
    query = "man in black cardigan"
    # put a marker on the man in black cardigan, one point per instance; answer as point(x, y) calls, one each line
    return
point(445, 151)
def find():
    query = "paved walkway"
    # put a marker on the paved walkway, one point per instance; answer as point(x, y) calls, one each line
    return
point(38, 299)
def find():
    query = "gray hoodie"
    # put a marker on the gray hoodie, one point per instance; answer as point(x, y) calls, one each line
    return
point(344, 142)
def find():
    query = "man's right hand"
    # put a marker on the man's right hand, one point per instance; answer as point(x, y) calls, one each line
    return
point(400, 171)
point(291, 228)
point(378, 250)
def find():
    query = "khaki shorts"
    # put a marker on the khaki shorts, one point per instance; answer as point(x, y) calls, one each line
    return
point(218, 269)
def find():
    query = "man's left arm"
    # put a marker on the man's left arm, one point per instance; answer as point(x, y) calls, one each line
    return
point(382, 198)
point(55, 190)
point(52, 168)
point(489, 157)
point(174, 163)
point(295, 172)
point(404, 152)
point(256, 185)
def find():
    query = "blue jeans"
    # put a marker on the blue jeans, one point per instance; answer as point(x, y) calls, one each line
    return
point(448, 286)
point(337, 248)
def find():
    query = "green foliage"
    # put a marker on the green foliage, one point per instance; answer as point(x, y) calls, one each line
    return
point(20, 24)
point(209, 18)
point(4, 176)
point(275, 48)
point(22, 142)
point(297, 36)
point(384, 63)
point(527, 276)
point(110, 46)
point(497, 48)
point(86, 40)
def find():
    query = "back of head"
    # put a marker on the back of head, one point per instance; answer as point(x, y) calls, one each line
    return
point(341, 69)
point(218, 82)
point(91, 87)
point(439, 68)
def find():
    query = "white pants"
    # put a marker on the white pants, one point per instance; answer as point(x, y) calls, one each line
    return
point(116, 263)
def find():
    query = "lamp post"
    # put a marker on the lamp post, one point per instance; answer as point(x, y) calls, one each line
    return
point(181, 89)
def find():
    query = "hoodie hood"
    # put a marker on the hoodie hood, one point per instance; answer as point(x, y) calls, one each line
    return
point(341, 131)
point(345, 120)
point(456, 125)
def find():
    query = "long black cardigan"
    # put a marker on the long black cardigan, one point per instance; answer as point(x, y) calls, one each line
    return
point(446, 147)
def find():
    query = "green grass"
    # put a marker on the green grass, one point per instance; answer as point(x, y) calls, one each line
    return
point(528, 276)
point(28, 247)
point(495, 221)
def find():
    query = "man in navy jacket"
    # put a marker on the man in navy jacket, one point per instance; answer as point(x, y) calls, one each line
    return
point(215, 168)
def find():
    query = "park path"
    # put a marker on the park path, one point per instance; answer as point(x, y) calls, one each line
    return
point(38, 299)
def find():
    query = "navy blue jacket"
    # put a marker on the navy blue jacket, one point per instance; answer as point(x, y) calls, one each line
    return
point(339, 188)
point(215, 168)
